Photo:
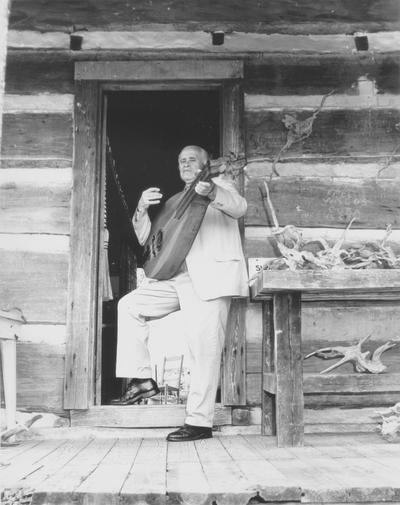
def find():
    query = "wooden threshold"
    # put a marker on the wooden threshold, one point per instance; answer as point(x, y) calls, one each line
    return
point(141, 416)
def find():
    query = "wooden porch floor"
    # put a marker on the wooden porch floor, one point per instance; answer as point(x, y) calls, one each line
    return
point(224, 470)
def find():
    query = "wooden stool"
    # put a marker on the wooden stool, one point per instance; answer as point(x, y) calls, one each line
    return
point(10, 324)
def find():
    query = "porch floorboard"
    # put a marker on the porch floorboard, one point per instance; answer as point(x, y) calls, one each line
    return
point(225, 470)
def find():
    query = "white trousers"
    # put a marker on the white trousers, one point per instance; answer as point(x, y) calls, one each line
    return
point(204, 324)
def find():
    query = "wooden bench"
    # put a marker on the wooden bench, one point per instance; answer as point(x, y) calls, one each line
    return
point(281, 293)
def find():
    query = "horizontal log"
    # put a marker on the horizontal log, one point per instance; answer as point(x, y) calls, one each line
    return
point(338, 383)
point(40, 377)
point(335, 133)
point(33, 72)
point(323, 17)
point(36, 282)
point(37, 135)
point(48, 71)
point(34, 243)
point(336, 321)
point(318, 202)
point(306, 74)
point(321, 402)
point(377, 168)
point(35, 206)
point(315, 365)
point(352, 383)
point(142, 416)
point(339, 416)
point(53, 334)
point(30, 163)
point(51, 103)
point(351, 400)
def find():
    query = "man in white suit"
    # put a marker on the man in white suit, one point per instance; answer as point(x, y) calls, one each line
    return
point(214, 271)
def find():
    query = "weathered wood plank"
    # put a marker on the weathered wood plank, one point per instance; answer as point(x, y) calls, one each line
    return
point(182, 452)
point(289, 398)
point(37, 135)
point(325, 401)
point(314, 202)
point(105, 483)
point(11, 452)
point(35, 207)
point(335, 133)
point(233, 372)
point(272, 281)
point(267, 363)
point(268, 482)
point(40, 371)
point(146, 480)
point(240, 449)
point(36, 453)
point(318, 17)
point(229, 486)
point(361, 483)
point(35, 282)
point(84, 242)
point(59, 487)
point(54, 462)
point(211, 450)
point(315, 485)
point(40, 388)
point(144, 416)
point(186, 483)
point(356, 383)
point(158, 70)
point(305, 74)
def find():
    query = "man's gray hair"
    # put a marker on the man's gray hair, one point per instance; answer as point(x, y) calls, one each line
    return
point(203, 154)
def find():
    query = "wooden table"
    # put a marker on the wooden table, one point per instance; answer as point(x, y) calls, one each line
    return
point(281, 293)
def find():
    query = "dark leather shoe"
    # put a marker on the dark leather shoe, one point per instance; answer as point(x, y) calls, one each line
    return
point(136, 390)
point(189, 432)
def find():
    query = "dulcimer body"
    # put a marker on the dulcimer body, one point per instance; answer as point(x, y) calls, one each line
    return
point(171, 238)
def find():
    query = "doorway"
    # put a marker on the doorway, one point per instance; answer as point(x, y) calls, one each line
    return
point(146, 131)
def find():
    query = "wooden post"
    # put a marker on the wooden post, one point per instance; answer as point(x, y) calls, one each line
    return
point(10, 323)
point(288, 368)
point(84, 246)
point(268, 410)
point(233, 387)
point(4, 14)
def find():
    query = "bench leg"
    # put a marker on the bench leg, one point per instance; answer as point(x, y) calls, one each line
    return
point(288, 367)
point(9, 366)
point(268, 410)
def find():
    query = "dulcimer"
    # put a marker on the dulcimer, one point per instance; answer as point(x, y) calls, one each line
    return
point(175, 227)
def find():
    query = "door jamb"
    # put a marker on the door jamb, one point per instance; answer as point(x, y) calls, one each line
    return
point(82, 308)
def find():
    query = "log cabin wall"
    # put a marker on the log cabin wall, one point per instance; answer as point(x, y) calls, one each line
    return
point(292, 56)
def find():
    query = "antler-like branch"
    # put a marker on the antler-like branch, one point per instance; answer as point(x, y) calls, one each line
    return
point(353, 354)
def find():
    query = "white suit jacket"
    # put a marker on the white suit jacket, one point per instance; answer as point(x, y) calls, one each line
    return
point(215, 261)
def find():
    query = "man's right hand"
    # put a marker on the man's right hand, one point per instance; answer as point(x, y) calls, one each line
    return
point(151, 196)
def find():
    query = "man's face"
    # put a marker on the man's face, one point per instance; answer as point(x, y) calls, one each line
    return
point(190, 164)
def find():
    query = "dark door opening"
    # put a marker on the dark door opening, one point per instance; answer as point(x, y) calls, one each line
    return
point(146, 132)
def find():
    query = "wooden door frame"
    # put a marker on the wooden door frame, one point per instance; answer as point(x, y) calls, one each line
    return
point(92, 79)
